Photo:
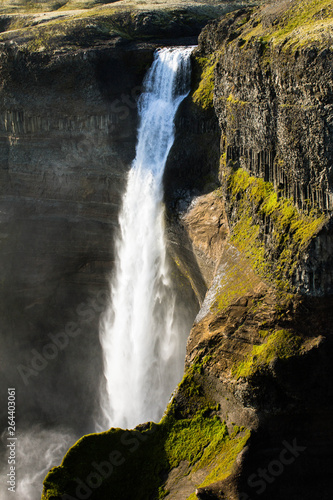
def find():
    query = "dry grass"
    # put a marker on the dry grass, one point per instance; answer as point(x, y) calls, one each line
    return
point(292, 23)
point(41, 25)
point(24, 6)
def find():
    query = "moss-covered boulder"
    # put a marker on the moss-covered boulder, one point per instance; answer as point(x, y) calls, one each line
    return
point(137, 463)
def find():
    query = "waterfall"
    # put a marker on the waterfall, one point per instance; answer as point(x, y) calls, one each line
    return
point(143, 347)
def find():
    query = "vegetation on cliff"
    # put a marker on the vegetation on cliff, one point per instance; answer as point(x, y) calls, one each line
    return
point(204, 93)
point(293, 24)
point(268, 228)
point(116, 460)
point(58, 25)
point(287, 23)
point(280, 344)
point(270, 100)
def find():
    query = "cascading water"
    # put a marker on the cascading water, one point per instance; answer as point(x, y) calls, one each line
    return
point(143, 347)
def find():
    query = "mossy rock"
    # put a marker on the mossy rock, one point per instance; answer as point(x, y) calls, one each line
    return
point(279, 345)
point(256, 205)
point(204, 91)
point(116, 461)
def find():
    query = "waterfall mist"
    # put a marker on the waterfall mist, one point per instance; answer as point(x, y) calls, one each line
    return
point(38, 450)
point(142, 334)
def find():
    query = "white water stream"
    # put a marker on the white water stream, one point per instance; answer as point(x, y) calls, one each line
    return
point(142, 344)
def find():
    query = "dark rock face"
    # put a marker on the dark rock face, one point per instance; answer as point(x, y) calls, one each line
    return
point(68, 132)
point(275, 114)
point(271, 102)
point(284, 103)
point(191, 165)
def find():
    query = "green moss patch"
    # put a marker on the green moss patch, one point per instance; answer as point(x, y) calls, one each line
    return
point(294, 25)
point(281, 344)
point(221, 466)
point(236, 102)
point(115, 462)
point(256, 205)
point(204, 93)
point(194, 439)
point(190, 387)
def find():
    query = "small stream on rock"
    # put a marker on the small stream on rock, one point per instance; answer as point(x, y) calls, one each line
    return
point(143, 343)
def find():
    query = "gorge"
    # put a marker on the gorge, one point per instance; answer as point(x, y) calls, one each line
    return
point(248, 188)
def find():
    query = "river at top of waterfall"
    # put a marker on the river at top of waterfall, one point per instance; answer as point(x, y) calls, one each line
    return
point(143, 343)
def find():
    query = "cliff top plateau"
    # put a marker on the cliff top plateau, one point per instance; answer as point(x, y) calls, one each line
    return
point(40, 26)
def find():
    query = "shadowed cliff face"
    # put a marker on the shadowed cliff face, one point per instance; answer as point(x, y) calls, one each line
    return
point(68, 132)
point(272, 96)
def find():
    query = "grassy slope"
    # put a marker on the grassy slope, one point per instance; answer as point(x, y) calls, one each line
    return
point(53, 25)
point(19, 6)
point(292, 23)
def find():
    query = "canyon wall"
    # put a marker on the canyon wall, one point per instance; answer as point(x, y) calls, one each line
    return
point(70, 82)
point(68, 131)
point(262, 339)
point(271, 100)
point(67, 141)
